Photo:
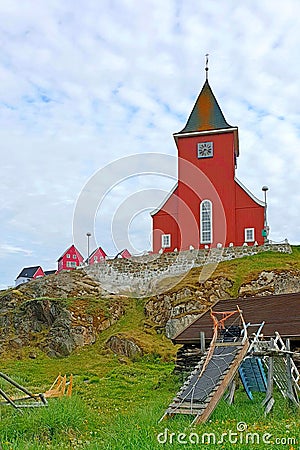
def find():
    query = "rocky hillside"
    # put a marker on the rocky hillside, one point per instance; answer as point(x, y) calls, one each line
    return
point(57, 313)
point(174, 311)
point(60, 313)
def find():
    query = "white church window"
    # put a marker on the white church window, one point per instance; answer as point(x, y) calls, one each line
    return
point(206, 222)
point(166, 241)
point(249, 235)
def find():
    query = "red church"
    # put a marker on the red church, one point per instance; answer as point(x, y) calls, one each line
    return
point(209, 206)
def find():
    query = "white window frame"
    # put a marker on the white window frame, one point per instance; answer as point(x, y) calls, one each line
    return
point(74, 256)
point(165, 240)
point(68, 255)
point(252, 231)
point(210, 231)
point(71, 264)
point(95, 258)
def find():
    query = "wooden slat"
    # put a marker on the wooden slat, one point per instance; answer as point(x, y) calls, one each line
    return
point(185, 411)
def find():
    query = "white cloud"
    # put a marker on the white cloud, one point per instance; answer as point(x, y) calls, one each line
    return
point(84, 83)
point(6, 250)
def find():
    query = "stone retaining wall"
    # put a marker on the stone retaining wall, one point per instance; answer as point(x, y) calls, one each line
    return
point(140, 276)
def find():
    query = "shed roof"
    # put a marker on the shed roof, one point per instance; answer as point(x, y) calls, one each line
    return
point(50, 272)
point(279, 312)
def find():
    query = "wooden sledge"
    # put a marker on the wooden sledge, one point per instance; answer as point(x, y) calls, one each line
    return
point(58, 388)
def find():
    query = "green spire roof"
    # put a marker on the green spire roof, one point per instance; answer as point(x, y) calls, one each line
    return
point(206, 114)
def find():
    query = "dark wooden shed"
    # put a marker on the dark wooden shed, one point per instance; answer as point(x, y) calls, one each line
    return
point(279, 312)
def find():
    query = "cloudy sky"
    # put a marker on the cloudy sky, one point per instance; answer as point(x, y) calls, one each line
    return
point(85, 83)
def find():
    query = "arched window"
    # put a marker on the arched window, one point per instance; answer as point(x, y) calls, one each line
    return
point(206, 222)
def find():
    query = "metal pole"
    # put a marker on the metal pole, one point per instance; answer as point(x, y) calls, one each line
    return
point(266, 223)
point(265, 189)
point(88, 247)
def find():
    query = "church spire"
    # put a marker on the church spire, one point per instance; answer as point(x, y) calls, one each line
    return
point(206, 114)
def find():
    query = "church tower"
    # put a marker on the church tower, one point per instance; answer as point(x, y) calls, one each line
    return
point(208, 207)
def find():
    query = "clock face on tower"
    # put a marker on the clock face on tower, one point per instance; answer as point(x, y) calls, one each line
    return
point(205, 150)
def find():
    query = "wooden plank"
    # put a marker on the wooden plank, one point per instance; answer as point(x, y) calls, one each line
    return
point(269, 401)
point(202, 341)
point(186, 405)
point(229, 344)
point(182, 411)
point(269, 405)
point(231, 392)
point(189, 410)
point(70, 386)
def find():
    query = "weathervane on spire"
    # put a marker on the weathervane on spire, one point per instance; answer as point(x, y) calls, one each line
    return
point(206, 65)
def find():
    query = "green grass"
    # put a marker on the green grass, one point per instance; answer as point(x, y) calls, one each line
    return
point(118, 406)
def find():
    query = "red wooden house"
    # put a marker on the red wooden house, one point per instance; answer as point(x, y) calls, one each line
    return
point(97, 256)
point(208, 207)
point(70, 259)
point(123, 254)
point(29, 274)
